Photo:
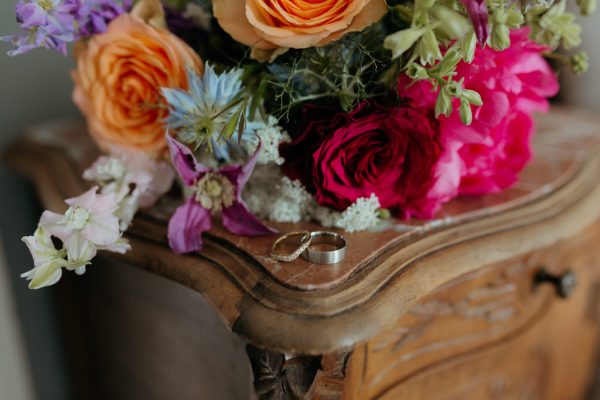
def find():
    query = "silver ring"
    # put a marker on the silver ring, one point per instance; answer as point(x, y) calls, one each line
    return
point(326, 248)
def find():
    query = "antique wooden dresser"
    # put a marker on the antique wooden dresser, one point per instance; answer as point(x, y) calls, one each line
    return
point(498, 298)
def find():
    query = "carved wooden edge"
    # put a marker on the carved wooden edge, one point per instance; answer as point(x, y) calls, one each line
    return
point(278, 376)
point(274, 316)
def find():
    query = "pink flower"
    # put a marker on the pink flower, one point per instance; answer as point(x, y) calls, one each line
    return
point(392, 152)
point(513, 84)
point(215, 191)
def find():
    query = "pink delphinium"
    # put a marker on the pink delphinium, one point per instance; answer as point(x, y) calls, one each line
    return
point(53, 24)
point(513, 83)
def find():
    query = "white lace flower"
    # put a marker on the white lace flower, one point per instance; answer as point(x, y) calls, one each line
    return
point(361, 215)
point(325, 216)
point(271, 136)
point(270, 194)
point(292, 202)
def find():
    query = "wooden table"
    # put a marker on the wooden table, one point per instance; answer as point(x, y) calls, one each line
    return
point(476, 304)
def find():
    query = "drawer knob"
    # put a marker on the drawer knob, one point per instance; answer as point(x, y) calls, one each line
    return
point(564, 283)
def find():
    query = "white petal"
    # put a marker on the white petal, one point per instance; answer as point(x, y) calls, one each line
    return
point(80, 251)
point(121, 246)
point(51, 223)
point(45, 276)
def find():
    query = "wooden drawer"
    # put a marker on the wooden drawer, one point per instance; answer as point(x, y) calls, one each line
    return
point(494, 331)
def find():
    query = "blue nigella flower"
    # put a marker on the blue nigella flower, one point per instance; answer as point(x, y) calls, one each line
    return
point(201, 114)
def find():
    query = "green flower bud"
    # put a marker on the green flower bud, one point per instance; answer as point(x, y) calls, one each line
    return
point(555, 25)
point(454, 24)
point(579, 63)
point(587, 7)
point(384, 213)
point(571, 33)
point(448, 64)
point(416, 72)
point(500, 38)
point(514, 18)
point(401, 41)
point(472, 97)
point(423, 6)
point(468, 46)
point(443, 105)
point(454, 88)
point(428, 48)
point(466, 116)
point(403, 13)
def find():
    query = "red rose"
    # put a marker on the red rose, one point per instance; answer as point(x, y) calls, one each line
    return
point(393, 152)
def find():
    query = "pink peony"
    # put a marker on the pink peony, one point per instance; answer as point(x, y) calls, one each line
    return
point(513, 84)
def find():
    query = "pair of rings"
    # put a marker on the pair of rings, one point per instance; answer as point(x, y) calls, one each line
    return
point(319, 247)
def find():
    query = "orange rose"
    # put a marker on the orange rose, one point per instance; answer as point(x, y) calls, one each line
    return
point(117, 81)
point(270, 24)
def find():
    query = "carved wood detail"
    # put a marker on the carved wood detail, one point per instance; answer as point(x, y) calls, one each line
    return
point(283, 377)
point(459, 321)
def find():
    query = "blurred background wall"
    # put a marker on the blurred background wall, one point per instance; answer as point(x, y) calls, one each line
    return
point(584, 91)
point(33, 88)
point(36, 87)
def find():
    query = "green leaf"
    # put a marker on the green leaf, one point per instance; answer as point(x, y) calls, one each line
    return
point(230, 127)
point(242, 124)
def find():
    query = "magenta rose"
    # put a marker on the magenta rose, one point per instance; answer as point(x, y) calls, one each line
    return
point(392, 152)
point(513, 83)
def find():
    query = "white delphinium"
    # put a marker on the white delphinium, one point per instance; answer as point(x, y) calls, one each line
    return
point(88, 225)
point(89, 220)
point(270, 135)
point(48, 261)
point(136, 180)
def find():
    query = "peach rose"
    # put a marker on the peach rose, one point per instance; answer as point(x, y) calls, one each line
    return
point(117, 81)
point(267, 25)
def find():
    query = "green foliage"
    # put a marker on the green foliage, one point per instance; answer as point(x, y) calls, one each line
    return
point(345, 72)
point(554, 26)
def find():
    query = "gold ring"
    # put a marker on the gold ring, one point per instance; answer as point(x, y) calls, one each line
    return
point(305, 240)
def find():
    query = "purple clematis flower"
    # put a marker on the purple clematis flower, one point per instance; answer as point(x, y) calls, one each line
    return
point(215, 190)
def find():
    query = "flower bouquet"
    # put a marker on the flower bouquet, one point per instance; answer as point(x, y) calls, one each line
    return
point(342, 112)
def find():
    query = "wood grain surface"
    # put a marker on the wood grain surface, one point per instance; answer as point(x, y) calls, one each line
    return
point(300, 308)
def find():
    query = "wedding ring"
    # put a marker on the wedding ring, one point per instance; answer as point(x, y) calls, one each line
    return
point(326, 248)
point(305, 241)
